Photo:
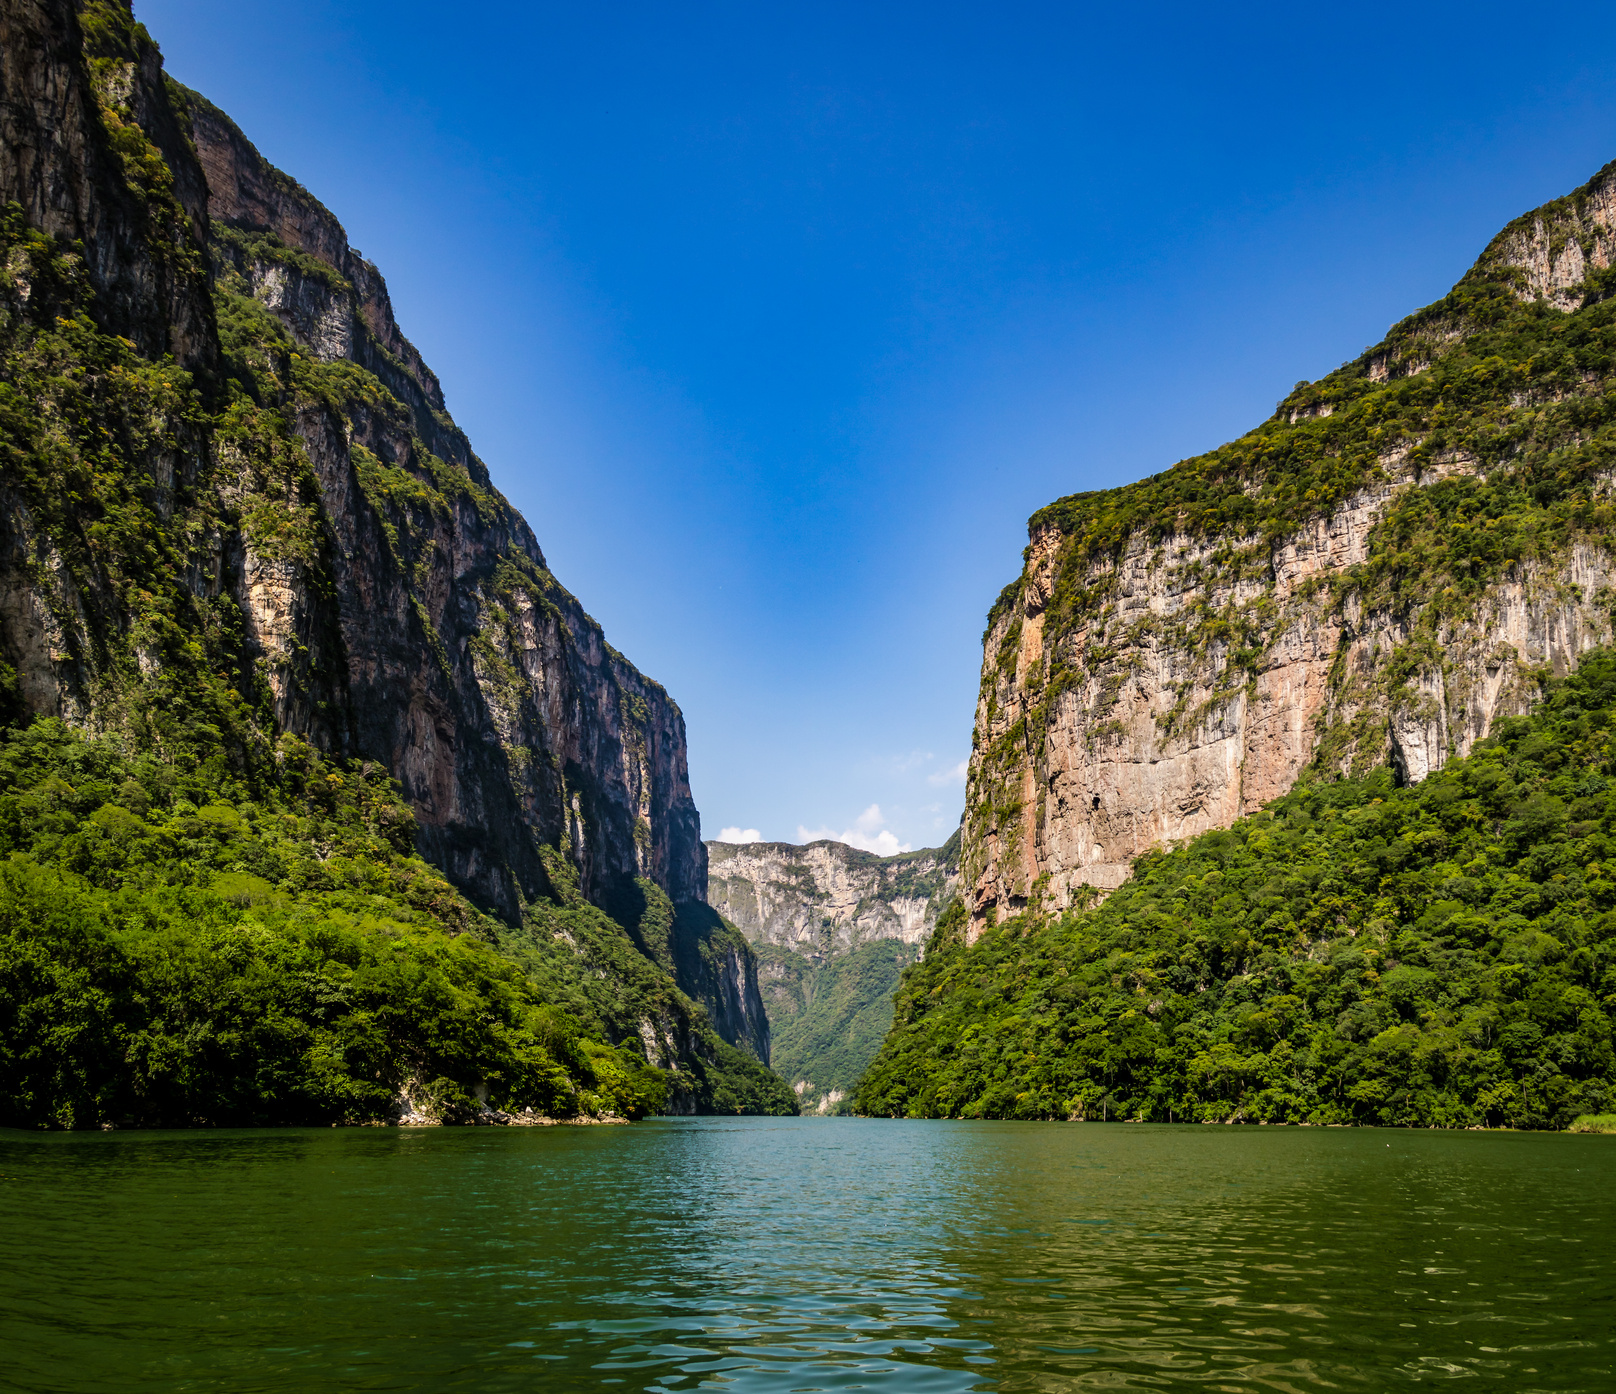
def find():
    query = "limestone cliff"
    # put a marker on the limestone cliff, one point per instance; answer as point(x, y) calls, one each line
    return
point(234, 508)
point(831, 928)
point(1374, 574)
point(455, 656)
point(826, 897)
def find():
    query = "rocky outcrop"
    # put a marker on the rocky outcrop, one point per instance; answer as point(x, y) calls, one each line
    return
point(291, 538)
point(459, 660)
point(826, 897)
point(720, 970)
point(1376, 574)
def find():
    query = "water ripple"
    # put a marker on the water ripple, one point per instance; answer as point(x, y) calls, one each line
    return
point(755, 1256)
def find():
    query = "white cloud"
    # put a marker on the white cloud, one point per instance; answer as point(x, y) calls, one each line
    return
point(739, 835)
point(866, 834)
point(954, 774)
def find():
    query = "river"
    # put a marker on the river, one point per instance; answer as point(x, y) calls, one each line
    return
point(763, 1256)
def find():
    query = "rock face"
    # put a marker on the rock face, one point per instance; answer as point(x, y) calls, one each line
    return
point(459, 660)
point(831, 928)
point(826, 897)
point(309, 545)
point(1324, 594)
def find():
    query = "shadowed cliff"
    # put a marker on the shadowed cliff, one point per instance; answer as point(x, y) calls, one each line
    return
point(234, 508)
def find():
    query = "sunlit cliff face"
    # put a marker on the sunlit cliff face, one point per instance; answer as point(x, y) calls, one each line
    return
point(1374, 574)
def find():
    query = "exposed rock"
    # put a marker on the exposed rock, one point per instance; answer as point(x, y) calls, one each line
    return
point(827, 897)
point(59, 162)
point(1136, 694)
point(494, 698)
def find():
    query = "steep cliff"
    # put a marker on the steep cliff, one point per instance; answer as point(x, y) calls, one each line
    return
point(832, 927)
point(1375, 573)
point(453, 653)
point(827, 897)
point(234, 508)
point(1439, 954)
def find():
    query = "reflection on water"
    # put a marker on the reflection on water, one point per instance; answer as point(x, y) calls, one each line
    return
point(765, 1255)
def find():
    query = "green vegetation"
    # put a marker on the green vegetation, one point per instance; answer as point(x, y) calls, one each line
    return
point(1513, 385)
point(81, 414)
point(179, 945)
point(1443, 954)
point(829, 1018)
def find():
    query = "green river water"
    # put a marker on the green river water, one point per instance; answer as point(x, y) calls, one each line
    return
point(765, 1255)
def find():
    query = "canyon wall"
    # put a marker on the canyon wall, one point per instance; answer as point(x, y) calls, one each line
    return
point(1375, 574)
point(458, 658)
point(285, 535)
point(826, 897)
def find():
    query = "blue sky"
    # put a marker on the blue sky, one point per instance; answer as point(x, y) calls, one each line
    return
point(777, 321)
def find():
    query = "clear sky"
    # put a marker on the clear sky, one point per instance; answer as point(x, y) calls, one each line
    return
point(777, 320)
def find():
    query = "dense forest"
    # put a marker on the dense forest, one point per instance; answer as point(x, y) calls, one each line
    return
point(1357, 952)
point(828, 1018)
point(180, 945)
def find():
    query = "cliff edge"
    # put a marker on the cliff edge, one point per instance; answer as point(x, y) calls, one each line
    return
point(234, 511)
point(1375, 573)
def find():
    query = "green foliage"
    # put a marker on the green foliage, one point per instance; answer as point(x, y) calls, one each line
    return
point(87, 430)
point(612, 981)
point(1593, 1123)
point(178, 946)
point(1355, 953)
point(828, 1019)
point(268, 248)
point(736, 1082)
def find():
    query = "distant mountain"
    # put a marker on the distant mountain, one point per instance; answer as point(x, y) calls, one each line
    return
point(832, 927)
point(826, 897)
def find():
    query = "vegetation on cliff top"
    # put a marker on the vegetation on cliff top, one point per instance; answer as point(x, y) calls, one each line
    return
point(203, 919)
point(1514, 387)
point(1442, 954)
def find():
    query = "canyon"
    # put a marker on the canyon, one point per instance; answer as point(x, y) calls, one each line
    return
point(832, 927)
